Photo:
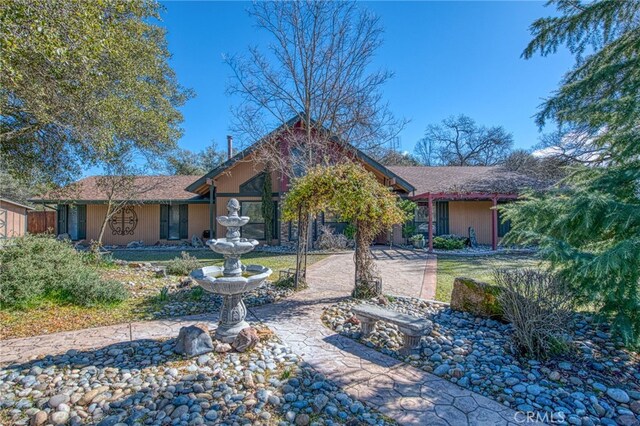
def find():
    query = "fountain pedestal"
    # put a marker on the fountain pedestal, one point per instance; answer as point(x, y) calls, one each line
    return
point(233, 279)
point(232, 318)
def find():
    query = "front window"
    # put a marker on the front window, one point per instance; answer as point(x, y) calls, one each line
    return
point(174, 222)
point(255, 228)
point(72, 220)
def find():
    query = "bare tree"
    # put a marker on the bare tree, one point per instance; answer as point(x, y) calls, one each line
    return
point(574, 145)
point(425, 152)
point(393, 157)
point(122, 186)
point(459, 141)
point(543, 168)
point(315, 68)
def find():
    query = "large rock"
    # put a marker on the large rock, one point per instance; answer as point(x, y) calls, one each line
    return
point(197, 241)
point(246, 340)
point(194, 340)
point(92, 394)
point(476, 297)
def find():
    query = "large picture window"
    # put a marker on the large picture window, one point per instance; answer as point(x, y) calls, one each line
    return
point(255, 229)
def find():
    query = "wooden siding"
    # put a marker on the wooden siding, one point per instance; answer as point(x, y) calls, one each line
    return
point(16, 220)
point(229, 182)
point(476, 214)
point(198, 219)
point(39, 222)
point(147, 230)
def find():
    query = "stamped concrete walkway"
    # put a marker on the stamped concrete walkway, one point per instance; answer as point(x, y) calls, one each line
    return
point(404, 393)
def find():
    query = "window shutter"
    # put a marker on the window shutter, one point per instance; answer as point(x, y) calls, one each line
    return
point(62, 219)
point(164, 221)
point(184, 221)
point(82, 222)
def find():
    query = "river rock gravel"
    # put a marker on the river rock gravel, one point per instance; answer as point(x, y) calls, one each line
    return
point(597, 382)
point(145, 382)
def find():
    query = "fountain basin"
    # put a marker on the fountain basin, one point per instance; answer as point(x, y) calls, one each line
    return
point(237, 247)
point(233, 221)
point(212, 279)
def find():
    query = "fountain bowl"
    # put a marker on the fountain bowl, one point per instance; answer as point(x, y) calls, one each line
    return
point(233, 221)
point(212, 279)
point(226, 246)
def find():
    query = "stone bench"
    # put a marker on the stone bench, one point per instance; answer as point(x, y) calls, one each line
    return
point(413, 328)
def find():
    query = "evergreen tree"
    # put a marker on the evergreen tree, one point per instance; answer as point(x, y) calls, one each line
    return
point(589, 227)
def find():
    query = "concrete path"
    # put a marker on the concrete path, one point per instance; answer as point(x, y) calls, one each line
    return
point(406, 394)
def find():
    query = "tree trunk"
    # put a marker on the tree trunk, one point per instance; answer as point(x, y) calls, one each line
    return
point(301, 250)
point(97, 245)
point(366, 271)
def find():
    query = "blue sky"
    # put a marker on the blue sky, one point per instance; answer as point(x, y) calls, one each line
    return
point(448, 58)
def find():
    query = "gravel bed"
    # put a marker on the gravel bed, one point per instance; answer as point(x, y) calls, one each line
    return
point(597, 382)
point(145, 382)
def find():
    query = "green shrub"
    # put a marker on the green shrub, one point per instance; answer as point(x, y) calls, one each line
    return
point(197, 293)
point(182, 265)
point(38, 268)
point(449, 242)
point(285, 282)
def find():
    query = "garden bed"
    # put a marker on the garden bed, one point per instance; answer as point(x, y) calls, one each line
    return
point(146, 299)
point(597, 382)
point(146, 382)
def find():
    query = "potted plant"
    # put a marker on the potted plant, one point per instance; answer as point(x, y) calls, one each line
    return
point(417, 240)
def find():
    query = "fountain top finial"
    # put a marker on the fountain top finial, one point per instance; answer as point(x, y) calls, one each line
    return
point(233, 207)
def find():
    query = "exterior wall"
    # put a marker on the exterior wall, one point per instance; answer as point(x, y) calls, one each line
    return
point(147, 230)
point(198, 219)
point(476, 214)
point(230, 181)
point(16, 220)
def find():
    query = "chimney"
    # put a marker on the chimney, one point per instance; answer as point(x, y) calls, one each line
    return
point(229, 146)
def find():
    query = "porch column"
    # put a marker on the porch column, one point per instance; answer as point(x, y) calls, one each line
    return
point(212, 232)
point(430, 227)
point(494, 224)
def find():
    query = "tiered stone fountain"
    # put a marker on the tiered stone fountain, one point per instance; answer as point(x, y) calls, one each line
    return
point(233, 279)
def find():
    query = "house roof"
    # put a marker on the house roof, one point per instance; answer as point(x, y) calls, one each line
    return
point(149, 188)
point(466, 179)
point(6, 200)
point(291, 123)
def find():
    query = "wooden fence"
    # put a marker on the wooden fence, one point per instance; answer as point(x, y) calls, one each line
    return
point(39, 222)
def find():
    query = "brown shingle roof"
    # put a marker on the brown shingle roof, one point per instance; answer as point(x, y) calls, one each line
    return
point(148, 188)
point(465, 179)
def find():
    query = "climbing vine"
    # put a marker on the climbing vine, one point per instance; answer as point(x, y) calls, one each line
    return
point(357, 197)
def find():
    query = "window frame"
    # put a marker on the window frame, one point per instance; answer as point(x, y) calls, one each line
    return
point(251, 220)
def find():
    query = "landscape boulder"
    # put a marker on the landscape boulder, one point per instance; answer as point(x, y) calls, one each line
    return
point(194, 340)
point(196, 241)
point(476, 297)
point(246, 340)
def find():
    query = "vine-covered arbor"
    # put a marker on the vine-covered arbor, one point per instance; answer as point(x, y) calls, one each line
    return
point(355, 195)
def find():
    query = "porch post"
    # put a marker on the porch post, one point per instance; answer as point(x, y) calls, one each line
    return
point(494, 224)
point(212, 232)
point(430, 227)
